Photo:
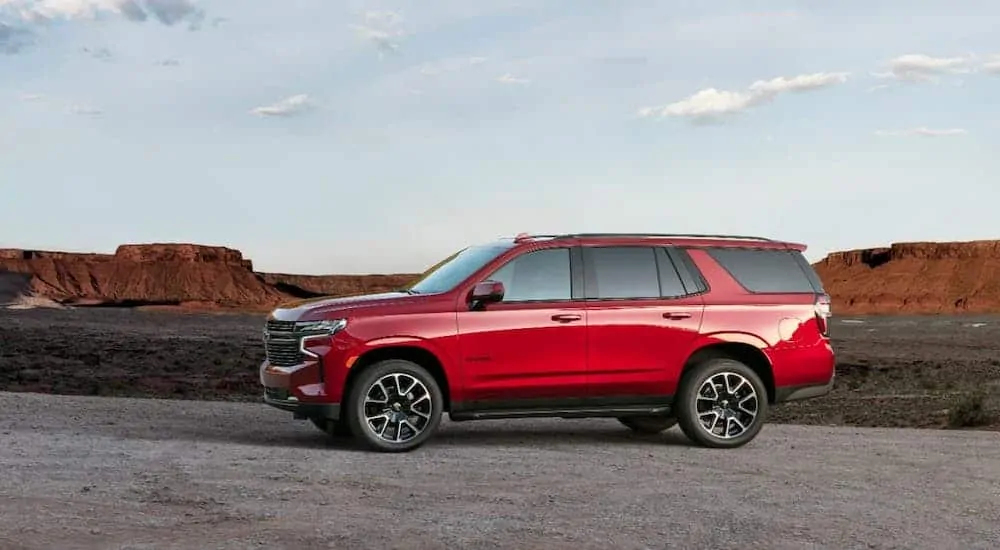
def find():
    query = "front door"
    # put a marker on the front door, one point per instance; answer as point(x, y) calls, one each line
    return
point(530, 349)
point(641, 322)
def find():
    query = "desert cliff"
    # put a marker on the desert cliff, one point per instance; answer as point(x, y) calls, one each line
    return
point(184, 275)
point(915, 278)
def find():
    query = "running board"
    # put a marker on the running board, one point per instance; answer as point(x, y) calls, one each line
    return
point(598, 412)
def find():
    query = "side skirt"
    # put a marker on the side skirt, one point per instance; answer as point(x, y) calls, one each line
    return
point(601, 407)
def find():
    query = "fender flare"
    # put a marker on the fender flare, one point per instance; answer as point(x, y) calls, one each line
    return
point(402, 341)
point(708, 340)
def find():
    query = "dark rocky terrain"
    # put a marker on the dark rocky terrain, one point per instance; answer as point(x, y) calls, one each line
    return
point(924, 372)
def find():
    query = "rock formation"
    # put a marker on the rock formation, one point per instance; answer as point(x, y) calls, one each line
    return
point(308, 286)
point(904, 278)
point(914, 278)
point(185, 275)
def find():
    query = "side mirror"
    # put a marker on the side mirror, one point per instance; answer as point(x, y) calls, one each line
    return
point(487, 291)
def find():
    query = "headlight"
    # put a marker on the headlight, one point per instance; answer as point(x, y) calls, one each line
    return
point(310, 332)
point(331, 326)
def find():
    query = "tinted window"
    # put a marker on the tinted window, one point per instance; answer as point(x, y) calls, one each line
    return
point(457, 267)
point(764, 270)
point(670, 280)
point(539, 275)
point(622, 272)
point(693, 280)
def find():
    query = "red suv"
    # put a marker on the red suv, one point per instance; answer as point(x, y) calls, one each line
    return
point(705, 331)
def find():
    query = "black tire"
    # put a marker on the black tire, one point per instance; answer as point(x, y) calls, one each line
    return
point(426, 389)
point(648, 424)
point(335, 428)
point(687, 404)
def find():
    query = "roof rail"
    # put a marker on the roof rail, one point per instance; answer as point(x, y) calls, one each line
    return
point(525, 236)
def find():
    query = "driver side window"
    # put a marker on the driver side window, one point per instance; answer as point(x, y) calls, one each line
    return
point(542, 275)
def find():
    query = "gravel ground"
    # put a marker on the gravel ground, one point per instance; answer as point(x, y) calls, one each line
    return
point(97, 472)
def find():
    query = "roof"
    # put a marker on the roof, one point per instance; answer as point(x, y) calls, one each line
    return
point(680, 239)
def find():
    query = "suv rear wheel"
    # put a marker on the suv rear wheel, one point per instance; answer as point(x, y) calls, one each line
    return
point(721, 403)
point(394, 406)
point(648, 424)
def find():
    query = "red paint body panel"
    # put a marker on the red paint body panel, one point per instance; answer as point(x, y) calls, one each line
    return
point(518, 351)
point(633, 350)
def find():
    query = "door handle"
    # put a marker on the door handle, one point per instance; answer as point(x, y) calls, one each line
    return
point(676, 315)
point(566, 317)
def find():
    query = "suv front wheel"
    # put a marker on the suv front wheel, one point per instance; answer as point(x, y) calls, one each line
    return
point(394, 406)
point(721, 403)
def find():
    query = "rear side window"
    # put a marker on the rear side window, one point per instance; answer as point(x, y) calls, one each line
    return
point(691, 278)
point(621, 272)
point(768, 270)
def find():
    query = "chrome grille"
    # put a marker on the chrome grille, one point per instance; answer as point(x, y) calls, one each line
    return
point(280, 326)
point(280, 344)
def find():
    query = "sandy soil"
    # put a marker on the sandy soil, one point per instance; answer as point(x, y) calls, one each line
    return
point(91, 472)
point(892, 371)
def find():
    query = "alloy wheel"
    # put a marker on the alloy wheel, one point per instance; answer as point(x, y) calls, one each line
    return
point(727, 405)
point(397, 407)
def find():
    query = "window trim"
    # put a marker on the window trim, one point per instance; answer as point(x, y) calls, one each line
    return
point(685, 264)
point(666, 265)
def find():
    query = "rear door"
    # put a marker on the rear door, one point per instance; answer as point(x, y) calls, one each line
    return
point(641, 321)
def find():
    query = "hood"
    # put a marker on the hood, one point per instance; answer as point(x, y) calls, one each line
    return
point(314, 307)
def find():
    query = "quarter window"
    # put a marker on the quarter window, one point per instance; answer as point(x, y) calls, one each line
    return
point(768, 270)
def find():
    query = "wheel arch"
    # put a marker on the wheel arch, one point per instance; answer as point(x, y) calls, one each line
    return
point(740, 349)
point(405, 351)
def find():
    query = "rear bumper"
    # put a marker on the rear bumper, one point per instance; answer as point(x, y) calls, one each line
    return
point(798, 393)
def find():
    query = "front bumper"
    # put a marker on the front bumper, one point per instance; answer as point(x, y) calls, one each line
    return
point(280, 398)
point(298, 390)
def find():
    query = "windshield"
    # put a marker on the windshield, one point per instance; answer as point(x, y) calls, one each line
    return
point(454, 269)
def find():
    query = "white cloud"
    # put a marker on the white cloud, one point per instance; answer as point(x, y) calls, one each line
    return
point(382, 29)
point(31, 97)
point(992, 64)
point(925, 68)
point(511, 79)
point(922, 132)
point(167, 12)
point(289, 106)
point(37, 10)
point(712, 103)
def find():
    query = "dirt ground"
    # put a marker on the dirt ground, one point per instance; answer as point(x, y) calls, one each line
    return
point(122, 473)
point(892, 371)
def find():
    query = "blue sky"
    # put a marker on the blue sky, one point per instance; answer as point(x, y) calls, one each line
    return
point(350, 136)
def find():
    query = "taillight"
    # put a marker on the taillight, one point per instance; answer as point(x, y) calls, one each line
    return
point(823, 310)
